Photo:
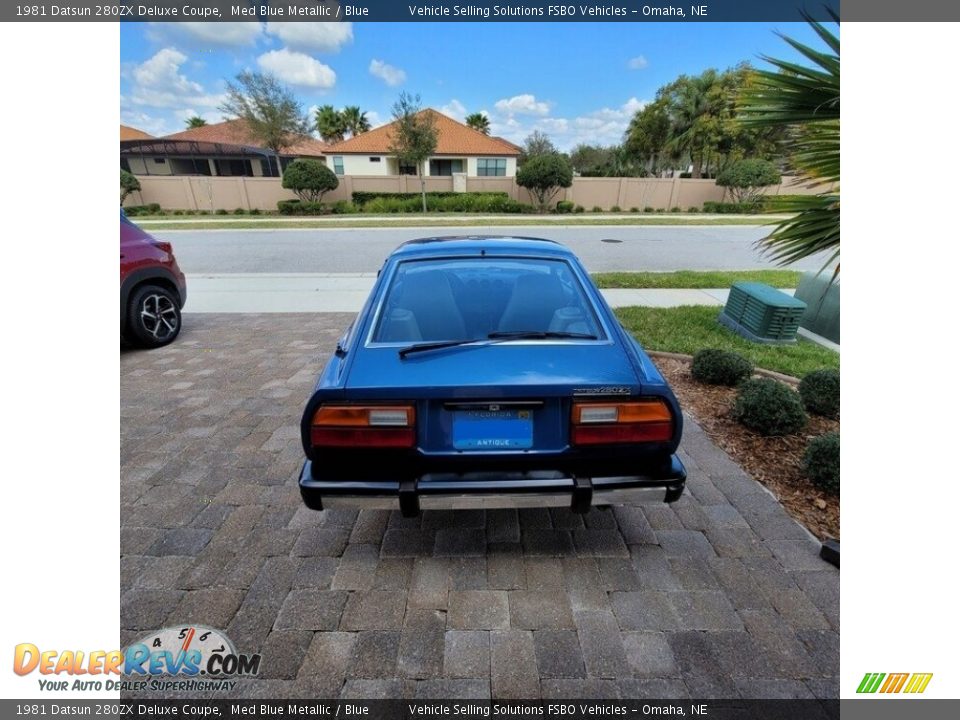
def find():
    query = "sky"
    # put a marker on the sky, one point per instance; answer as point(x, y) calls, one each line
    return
point(576, 82)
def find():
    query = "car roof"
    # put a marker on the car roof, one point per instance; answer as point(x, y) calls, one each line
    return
point(445, 246)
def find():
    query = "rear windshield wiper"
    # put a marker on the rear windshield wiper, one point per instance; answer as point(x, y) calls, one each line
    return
point(495, 337)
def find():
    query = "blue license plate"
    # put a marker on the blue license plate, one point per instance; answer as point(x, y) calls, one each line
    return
point(492, 429)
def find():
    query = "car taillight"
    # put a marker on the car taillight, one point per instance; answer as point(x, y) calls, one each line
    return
point(626, 422)
point(363, 426)
point(165, 246)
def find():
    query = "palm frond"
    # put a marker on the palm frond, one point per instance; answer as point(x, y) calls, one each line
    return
point(806, 99)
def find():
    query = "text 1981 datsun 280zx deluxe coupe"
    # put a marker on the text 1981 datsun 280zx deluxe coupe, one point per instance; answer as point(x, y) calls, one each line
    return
point(488, 372)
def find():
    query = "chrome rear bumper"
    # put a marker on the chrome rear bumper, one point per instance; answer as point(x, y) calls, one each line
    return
point(478, 491)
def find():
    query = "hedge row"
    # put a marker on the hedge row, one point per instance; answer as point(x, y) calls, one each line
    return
point(362, 198)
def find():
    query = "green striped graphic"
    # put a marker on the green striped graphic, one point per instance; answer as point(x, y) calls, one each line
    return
point(870, 682)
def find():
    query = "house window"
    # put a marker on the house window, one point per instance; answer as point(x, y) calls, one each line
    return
point(491, 167)
point(406, 169)
point(445, 167)
point(160, 161)
point(338, 165)
point(375, 159)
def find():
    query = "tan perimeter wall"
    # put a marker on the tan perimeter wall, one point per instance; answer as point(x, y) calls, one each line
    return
point(229, 193)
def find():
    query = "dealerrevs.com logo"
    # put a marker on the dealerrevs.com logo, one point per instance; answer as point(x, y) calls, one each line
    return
point(186, 658)
point(908, 683)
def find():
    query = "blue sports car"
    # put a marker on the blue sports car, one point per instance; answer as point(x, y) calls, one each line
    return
point(488, 372)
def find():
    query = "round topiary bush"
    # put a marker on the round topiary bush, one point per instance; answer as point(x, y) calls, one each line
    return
point(821, 462)
point(769, 407)
point(820, 391)
point(309, 179)
point(720, 367)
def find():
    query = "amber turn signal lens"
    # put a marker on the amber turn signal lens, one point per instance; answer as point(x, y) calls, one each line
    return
point(644, 411)
point(364, 416)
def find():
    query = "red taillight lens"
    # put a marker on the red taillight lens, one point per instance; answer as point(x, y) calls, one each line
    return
point(165, 246)
point(360, 426)
point(628, 422)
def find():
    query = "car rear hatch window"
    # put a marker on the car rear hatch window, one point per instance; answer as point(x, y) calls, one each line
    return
point(464, 299)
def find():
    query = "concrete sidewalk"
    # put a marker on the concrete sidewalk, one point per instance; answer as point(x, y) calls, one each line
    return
point(346, 292)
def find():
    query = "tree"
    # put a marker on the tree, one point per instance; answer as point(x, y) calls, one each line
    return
point(695, 121)
point(309, 179)
point(588, 159)
point(354, 120)
point(479, 121)
point(648, 134)
point(745, 179)
point(544, 175)
point(195, 122)
point(806, 99)
point(537, 144)
point(128, 184)
point(271, 111)
point(414, 137)
point(330, 124)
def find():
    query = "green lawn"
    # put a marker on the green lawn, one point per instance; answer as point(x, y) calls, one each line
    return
point(149, 222)
point(694, 279)
point(691, 328)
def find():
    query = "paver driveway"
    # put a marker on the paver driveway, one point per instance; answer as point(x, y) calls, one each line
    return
point(718, 595)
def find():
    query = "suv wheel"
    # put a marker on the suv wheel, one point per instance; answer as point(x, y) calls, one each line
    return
point(154, 317)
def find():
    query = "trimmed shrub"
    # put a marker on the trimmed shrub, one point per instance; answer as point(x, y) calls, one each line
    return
point(648, 209)
point(221, 211)
point(821, 462)
point(745, 179)
point(254, 211)
point(564, 207)
point(134, 210)
point(634, 209)
point(820, 391)
point(543, 176)
point(579, 209)
point(128, 184)
point(344, 207)
point(309, 179)
point(722, 208)
point(239, 211)
point(596, 209)
point(299, 207)
point(693, 209)
point(769, 407)
point(676, 209)
point(616, 208)
point(720, 367)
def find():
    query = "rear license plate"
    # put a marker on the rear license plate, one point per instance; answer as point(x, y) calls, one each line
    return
point(492, 429)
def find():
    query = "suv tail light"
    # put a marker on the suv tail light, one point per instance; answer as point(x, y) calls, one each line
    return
point(165, 246)
point(359, 426)
point(626, 422)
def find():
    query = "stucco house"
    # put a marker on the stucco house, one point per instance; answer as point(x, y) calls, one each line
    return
point(460, 149)
point(221, 149)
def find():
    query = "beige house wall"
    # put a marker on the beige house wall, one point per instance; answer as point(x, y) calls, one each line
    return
point(228, 193)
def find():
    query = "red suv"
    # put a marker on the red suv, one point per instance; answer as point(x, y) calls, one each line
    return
point(152, 288)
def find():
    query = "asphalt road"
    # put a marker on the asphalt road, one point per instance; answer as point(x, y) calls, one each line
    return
point(364, 249)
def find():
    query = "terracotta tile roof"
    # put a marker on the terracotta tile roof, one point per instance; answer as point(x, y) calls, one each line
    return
point(131, 133)
point(454, 138)
point(235, 132)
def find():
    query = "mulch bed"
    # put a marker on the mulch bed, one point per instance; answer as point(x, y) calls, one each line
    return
point(774, 461)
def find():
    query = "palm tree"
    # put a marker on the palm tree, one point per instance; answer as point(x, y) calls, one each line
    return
point(354, 120)
point(692, 121)
point(330, 124)
point(479, 121)
point(807, 101)
point(195, 122)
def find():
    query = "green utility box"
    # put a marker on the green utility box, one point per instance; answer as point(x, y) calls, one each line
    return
point(762, 314)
